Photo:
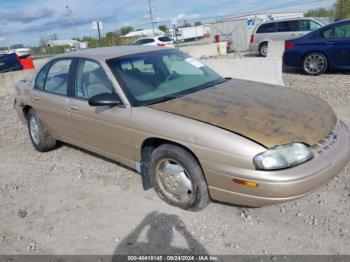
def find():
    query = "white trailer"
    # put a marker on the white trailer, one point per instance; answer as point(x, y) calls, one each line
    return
point(188, 33)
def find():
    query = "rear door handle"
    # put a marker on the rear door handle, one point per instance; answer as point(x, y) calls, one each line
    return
point(329, 43)
point(73, 107)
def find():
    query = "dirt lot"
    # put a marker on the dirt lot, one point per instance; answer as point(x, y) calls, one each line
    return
point(72, 202)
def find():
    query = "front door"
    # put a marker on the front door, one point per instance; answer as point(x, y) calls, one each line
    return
point(340, 45)
point(99, 129)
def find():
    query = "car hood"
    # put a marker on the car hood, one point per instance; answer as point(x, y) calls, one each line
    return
point(269, 115)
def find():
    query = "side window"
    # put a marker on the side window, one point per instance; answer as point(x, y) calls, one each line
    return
point(148, 40)
point(328, 33)
point(41, 77)
point(91, 80)
point(342, 31)
point(57, 78)
point(288, 26)
point(138, 42)
point(266, 28)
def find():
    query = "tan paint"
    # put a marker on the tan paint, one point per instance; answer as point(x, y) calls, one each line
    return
point(118, 133)
point(267, 114)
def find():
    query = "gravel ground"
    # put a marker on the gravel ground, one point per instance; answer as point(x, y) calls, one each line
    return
point(69, 201)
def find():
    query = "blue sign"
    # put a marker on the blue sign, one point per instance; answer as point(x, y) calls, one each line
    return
point(250, 22)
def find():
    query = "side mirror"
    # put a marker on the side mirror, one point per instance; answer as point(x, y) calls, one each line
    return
point(105, 99)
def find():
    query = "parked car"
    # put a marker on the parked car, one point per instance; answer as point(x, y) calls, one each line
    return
point(325, 48)
point(280, 30)
point(192, 134)
point(9, 62)
point(161, 41)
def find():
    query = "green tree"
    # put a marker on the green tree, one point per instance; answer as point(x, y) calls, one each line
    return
point(319, 12)
point(198, 23)
point(126, 29)
point(163, 28)
point(342, 9)
point(186, 24)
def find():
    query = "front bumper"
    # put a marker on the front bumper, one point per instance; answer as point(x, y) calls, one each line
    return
point(283, 185)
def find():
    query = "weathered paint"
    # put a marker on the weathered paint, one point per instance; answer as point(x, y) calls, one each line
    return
point(269, 115)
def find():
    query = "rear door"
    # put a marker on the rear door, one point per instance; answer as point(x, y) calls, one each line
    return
point(99, 129)
point(165, 41)
point(287, 30)
point(50, 95)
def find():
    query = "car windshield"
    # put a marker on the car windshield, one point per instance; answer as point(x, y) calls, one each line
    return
point(158, 76)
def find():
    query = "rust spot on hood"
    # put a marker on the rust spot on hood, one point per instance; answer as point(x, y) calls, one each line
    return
point(269, 115)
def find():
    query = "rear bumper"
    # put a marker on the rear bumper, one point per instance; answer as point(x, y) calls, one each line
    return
point(254, 47)
point(283, 185)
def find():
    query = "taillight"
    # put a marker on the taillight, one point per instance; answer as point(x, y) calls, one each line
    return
point(160, 44)
point(252, 39)
point(288, 45)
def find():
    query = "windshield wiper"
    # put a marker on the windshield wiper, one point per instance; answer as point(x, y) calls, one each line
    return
point(165, 98)
point(218, 83)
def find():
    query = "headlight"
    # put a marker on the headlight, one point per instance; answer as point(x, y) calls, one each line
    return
point(282, 157)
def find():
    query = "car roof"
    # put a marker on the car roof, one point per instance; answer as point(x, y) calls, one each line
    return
point(105, 53)
point(290, 19)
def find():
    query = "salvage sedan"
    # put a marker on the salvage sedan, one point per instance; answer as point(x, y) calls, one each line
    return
point(193, 135)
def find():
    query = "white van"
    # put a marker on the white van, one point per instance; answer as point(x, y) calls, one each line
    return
point(280, 30)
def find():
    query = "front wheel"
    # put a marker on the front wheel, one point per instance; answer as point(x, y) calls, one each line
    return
point(39, 136)
point(178, 178)
point(315, 64)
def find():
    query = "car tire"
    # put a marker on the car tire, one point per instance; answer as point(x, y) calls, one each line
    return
point(38, 134)
point(320, 64)
point(263, 49)
point(172, 184)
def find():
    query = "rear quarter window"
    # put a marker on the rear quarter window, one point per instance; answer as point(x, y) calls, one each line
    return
point(41, 77)
point(266, 28)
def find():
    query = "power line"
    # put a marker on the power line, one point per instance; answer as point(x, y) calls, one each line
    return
point(290, 4)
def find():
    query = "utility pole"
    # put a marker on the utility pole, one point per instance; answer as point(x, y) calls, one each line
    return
point(72, 21)
point(151, 15)
point(99, 30)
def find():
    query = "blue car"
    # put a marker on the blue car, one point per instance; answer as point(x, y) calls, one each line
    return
point(327, 48)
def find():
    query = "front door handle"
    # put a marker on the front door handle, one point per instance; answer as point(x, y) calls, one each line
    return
point(73, 107)
point(329, 43)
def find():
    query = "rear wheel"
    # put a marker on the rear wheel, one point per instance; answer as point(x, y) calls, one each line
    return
point(178, 178)
point(39, 136)
point(315, 64)
point(263, 49)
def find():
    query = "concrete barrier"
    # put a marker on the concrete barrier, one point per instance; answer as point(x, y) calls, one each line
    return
point(199, 51)
point(9, 80)
point(266, 70)
point(276, 49)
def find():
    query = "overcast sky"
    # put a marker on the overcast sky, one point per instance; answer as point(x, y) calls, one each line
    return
point(28, 21)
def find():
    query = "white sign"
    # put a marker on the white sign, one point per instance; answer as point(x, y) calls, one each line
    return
point(96, 24)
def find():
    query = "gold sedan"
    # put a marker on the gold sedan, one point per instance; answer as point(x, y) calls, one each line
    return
point(192, 134)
